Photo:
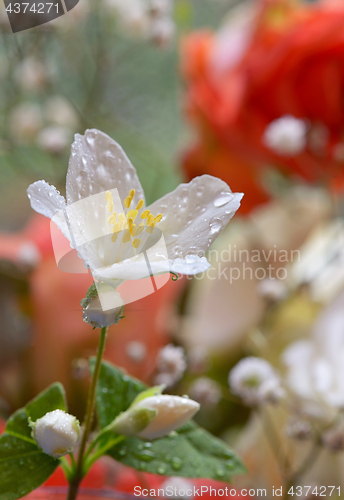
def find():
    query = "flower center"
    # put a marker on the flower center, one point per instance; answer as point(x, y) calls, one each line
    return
point(126, 221)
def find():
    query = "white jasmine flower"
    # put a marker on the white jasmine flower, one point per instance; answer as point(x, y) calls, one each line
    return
point(54, 139)
point(255, 381)
point(59, 111)
point(315, 367)
point(286, 136)
point(106, 220)
point(206, 391)
point(171, 365)
point(56, 433)
point(155, 416)
point(25, 121)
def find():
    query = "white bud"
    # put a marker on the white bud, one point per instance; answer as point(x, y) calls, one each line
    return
point(56, 433)
point(155, 416)
point(255, 381)
point(286, 136)
point(171, 365)
point(25, 121)
point(171, 413)
point(206, 391)
point(54, 139)
point(103, 309)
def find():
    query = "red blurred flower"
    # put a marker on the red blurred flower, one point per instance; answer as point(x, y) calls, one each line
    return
point(288, 60)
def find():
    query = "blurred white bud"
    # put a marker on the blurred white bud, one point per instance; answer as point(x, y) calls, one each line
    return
point(206, 391)
point(286, 136)
point(177, 484)
point(56, 433)
point(25, 122)
point(333, 439)
point(160, 7)
point(163, 31)
point(155, 416)
point(255, 382)
point(28, 254)
point(31, 75)
point(136, 351)
point(273, 290)
point(299, 429)
point(54, 139)
point(171, 365)
point(59, 111)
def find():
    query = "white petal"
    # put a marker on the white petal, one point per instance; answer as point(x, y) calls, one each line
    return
point(97, 163)
point(192, 264)
point(195, 214)
point(47, 200)
point(133, 269)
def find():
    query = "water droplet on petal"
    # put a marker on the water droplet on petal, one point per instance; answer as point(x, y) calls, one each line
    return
point(215, 225)
point(161, 469)
point(223, 199)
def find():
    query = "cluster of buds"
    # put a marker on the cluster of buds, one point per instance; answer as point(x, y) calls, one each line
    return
point(150, 19)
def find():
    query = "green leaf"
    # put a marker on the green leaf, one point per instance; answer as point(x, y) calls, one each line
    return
point(51, 399)
point(115, 392)
point(23, 465)
point(189, 452)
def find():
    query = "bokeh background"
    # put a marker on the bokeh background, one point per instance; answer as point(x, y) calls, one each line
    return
point(251, 92)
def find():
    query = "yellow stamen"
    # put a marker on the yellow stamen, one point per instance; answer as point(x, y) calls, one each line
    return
point(114, 237)
point(145, 214)
point(109, 200)
point(150, 219)
point(139, 229)
point(150, 228)
point(132, 193)
point(113, 218)
point(158, 218)
point(140, 205)
point(121, 218)
point(136, 243)
point(126, 237)
point(127, 202)
point(131, 226)
point(132, 214)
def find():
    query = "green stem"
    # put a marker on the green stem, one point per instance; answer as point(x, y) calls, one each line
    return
point(79, 470)
point(102, 451)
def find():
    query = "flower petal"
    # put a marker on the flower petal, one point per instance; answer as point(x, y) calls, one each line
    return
point(97, 163)
point(46, 200)
point(194, 214)
point(192, 264)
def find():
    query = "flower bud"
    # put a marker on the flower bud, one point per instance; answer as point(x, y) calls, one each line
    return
point(155, 416)
point(56, 433)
